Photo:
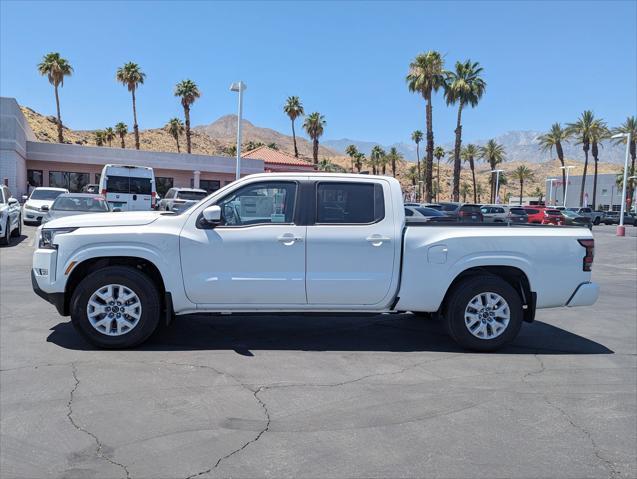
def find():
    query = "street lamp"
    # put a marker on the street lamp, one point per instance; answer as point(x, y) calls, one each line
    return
point(497, 184)
point(552, 180)
point(239, 87)
point(621, 231)
point(567, 168)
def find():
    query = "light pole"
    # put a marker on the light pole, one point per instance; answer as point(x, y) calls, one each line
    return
point(497, 185)
point(567, 168)
point(552, 180)
point(239, 87)
point(621, 231)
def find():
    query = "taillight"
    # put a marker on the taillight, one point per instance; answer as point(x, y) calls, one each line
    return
point(153, 199)
point(103, 193)
point(464, 213)
point(589, 244)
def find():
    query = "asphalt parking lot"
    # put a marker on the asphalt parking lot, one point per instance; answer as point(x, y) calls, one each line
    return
point(322, 397)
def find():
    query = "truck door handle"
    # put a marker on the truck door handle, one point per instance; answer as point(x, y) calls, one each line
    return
point(377, 240)
point(289, 239)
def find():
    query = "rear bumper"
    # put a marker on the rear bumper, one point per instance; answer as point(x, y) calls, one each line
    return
point(584, 295)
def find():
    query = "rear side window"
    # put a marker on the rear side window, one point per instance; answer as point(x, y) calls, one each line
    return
point(117, 184)
point(140, 186)
point(349, 203)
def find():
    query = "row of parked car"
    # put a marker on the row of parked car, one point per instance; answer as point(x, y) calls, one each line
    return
point(535, 214)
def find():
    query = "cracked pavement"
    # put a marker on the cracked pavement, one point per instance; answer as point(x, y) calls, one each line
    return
point(320, 396)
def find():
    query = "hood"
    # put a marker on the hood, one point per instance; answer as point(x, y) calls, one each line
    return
point(39, 203)
point(122, 218)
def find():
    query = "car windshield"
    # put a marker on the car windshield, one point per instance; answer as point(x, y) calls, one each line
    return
point(41, 194)
point(428, 211)
point(191, 195)
point(518, 211)
point(569, 213)
point(80, 203)
point(448, 207)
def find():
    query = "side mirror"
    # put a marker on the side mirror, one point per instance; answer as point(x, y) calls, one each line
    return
point(12, 201)
point(44, 208)
point(116, 210)
point(212, 214)
point(24, 198)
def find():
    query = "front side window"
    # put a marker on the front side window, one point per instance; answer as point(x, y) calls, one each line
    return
point(349, 203)
point(259, 203)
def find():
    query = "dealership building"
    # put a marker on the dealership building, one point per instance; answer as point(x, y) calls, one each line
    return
point(608, 195)
point(26, 163)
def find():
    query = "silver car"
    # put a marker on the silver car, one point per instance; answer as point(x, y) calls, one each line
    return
point(503, 214)
point(70, 204)
point(179, 199)
point(10, 223)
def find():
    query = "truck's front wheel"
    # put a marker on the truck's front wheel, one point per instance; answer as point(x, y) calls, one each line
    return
point(483, 313)
point(115, 307)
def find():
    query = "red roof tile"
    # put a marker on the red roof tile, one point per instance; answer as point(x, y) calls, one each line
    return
point(270, 155)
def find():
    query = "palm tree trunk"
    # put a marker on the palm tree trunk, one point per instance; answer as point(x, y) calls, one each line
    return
point(187, 116)
point(473, 178)
point(594, 184)
point(581, 192)
point(438, 182)
point(315, 148)
point(418, 162)
point(521, 190)
point(177, 140)
point(296, 151)
point(456, 156)
point(57, 104)
point(430, 149)
point(121, 137)
point(135, 126)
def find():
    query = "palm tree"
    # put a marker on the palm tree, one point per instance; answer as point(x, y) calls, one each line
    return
point(329, 167)
point(554, 139)
point(469, 153)
point(272, 145)
point(359, 161)
point(522, 173)
point(131, 76)
point(494, 154)
point(412, 174)
point(352, 151)
point(314, 125)
point(293, 108)
point(439, 153)
point(538, 193)
point(599, 132)
point(479, 191)
point(175, 127)
point(188, 91)
point(416, 137)
point(109, 135)
point(121, 129)
point(426, 76)
point(464, 191)
point(394, 157)
point(377, 159)
point(56, 68)
point(464, 86)
point(629, 126)
point(581, 129)
point(99, 137)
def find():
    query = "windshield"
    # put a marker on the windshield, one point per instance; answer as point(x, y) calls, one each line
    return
point(518, 211)
point(191, 195)
point(80, 203)
point(39, 194)
point(569, 213)
point(428, 211)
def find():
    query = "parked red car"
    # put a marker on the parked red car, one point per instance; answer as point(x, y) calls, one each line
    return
point(536, 213)
point(553, 217)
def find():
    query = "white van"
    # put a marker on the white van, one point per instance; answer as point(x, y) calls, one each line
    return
point(129, 188)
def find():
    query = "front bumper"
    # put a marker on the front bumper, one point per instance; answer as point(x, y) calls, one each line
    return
point(585, 295)
point(56, 299)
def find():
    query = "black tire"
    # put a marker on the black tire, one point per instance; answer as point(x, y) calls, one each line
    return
point(126, 276)
point(596, 221)
point(458, 301)
point(16, 233)
point(5, 240)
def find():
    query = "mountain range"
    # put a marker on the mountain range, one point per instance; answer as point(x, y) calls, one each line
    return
point(519, 145)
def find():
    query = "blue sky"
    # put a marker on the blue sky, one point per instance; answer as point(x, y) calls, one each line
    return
point(544, 61)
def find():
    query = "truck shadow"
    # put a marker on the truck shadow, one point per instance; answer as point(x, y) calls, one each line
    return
point(392, 333)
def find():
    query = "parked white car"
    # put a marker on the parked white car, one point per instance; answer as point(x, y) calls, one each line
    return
point(179, 199)
point(38, 203)
point(306, 242)
point(71, 204)
point(10, 223)
point(129, 188)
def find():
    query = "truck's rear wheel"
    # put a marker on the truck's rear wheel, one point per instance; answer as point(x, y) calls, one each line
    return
point(483, 313)
point(115, 307)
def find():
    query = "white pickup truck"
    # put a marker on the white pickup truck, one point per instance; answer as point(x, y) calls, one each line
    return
point(306, 242)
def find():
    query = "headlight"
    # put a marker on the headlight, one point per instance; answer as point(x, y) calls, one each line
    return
point(47, 237)
point(29, 207)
